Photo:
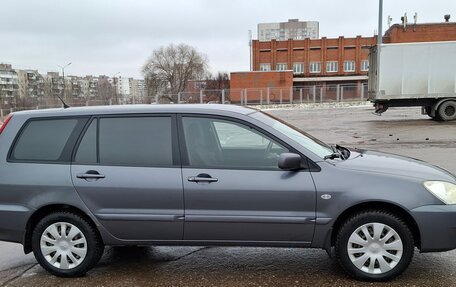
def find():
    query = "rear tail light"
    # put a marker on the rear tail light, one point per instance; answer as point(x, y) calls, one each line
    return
point(8, 118)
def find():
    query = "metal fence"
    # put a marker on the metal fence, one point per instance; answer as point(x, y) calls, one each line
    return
point(268, 96)
point(251, 96)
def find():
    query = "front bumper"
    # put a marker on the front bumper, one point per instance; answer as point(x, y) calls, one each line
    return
point(437, 225)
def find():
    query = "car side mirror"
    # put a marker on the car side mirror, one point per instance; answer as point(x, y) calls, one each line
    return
point(290, 161)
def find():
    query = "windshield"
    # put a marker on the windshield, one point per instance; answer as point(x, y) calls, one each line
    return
point(309, 142)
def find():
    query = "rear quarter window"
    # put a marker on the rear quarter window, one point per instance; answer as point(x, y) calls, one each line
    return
point(46, 140)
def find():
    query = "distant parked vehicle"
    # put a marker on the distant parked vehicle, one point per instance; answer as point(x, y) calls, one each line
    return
point(415, 74)
point(74, 180)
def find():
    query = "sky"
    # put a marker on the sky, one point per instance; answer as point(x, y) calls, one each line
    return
point(109, 37)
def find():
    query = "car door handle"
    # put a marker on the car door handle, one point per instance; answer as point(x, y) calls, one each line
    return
point(91, 174)
point(202, 178)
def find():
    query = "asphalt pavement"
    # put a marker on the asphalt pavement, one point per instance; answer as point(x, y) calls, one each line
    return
point(403, 131)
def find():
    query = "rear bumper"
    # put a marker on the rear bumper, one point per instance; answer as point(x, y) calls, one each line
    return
point(13, 219)
point(437, 225)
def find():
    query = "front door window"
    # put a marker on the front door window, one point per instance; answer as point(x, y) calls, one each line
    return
point(224, 144)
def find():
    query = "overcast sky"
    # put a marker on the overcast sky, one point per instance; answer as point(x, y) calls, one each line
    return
point(110, 36)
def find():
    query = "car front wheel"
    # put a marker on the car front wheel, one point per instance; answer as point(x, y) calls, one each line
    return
point(374, 246)
point(66, 244)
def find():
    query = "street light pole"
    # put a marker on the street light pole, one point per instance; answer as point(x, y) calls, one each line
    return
point(380, 22)
point(250, 48)
point(63, 75)
point(379, 43)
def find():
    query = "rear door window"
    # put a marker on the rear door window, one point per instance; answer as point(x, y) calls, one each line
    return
point(87, 151)
point(129, 141)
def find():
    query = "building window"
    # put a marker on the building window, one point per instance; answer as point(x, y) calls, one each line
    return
point(349, 66)
point(281, 67)
point(331, 66)
point(365, 65)
point(298, 68)
point(315, 67)
point(199, 85)
point(265, 67)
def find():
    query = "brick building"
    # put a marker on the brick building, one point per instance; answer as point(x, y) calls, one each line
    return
point(430, 32)
point(261, 86)
point(214, 89)
point(319, 66)
point(329, 63)
point(316, 60)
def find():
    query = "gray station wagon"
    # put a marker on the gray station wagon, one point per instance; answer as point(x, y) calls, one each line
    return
point(74, 180)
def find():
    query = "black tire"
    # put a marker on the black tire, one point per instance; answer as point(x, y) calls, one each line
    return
point(94, 246)
point(428, 110)
point(369, 217)
point(436, 116)
point(447, 111)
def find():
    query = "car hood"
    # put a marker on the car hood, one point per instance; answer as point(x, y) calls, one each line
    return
point(386, 163)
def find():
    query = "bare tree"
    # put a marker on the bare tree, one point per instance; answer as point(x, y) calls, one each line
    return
point(106, 90)
point(48, 93)
point(220, 81)
point(153, 86)
point(169, 68)
point(216, 83)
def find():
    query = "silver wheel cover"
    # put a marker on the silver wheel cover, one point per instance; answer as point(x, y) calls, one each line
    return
point(375, 248)
point(63, 245)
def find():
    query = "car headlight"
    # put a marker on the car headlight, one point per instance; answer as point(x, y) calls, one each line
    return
point(445, 191)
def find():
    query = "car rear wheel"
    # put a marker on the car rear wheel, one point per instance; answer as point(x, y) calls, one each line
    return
point(374, 246)
point(66, 244)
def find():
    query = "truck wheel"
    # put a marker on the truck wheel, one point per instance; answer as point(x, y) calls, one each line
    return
point(374, 246)
point(447, 111)
point(436, 116)
point(66, 245)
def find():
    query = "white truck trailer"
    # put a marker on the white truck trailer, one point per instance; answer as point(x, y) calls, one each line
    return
point(414, 74)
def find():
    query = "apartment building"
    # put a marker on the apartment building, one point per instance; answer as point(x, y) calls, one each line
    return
point(8, 81)
point(138, 88)
point(28, 88)
point(293, 29)
point(30, 83)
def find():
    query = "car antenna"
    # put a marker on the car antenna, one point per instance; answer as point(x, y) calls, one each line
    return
point(65, 106)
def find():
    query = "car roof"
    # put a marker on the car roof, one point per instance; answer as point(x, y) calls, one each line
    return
point(139, 109)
